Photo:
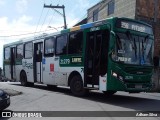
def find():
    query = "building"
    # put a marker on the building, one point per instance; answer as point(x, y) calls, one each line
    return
point(144, 10)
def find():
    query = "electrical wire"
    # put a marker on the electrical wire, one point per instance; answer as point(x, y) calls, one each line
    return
point(27, 33)
point(39, 21)
point(85, 16)
point(41, 26)
point(44, 20)
point(50, 20)
point(52, 16)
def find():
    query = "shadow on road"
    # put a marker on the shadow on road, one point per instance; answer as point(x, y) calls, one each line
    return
point(131, 102)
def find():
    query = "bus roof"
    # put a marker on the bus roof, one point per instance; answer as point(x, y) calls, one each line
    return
point(75, 28)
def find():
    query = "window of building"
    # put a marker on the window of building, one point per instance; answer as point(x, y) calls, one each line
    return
point(49, 47)
point(28, 50)
point(19, 51)
point(7, 53)
point(95, 15)
point(75, 43)
point(61, 45)
point(111, 7)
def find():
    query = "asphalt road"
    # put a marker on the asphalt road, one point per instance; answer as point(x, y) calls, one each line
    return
point(39, 98)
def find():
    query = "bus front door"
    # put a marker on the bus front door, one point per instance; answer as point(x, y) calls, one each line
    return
point(38, 75)
point(12, 63)
point(96, 57)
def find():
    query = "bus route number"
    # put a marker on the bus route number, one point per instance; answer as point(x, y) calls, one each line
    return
point(65, 61)
point(124, 25)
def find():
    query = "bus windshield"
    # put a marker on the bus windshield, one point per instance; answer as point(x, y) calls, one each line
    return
point(131, 49)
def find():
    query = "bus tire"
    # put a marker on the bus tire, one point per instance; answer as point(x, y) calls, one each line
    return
point(23, 79)
point(109, 92)
point(76, 86)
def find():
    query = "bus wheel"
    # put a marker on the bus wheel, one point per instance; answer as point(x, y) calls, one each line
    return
point(76, 86)
point(109, 92)
point(23, 79)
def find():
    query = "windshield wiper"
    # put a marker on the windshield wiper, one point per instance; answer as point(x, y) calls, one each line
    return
point(146, 41)
point(133, 42)
point(135, 48)
point(129, 36)
point(118, 42)
point(142, 56)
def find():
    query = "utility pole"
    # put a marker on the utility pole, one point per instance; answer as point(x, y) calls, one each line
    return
point(61, 7)
point(155, 10)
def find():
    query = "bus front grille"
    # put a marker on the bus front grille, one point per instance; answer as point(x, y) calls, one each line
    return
point(139, 71)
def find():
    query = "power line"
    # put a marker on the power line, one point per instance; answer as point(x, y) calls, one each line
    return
point(50, 20)
point(52, 15)
point(58, 7)
point(26, 33)
point(81, 18)
point(44, 19)
point(39, 20)
point(85, 16)
point(45, 30)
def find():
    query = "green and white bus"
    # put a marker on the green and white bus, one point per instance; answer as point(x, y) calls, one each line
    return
point(110, 55)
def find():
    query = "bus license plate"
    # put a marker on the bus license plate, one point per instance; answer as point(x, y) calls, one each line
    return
point(138, 86)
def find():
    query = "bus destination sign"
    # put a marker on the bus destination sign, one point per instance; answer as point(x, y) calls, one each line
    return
point(134, 26)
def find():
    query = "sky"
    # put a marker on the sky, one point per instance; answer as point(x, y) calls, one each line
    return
point(23, 18)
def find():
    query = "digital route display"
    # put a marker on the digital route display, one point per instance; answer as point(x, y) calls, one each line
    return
point(133, 26)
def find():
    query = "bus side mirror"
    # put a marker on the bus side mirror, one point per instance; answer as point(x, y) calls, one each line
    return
point(156, 61)
point(113, 35)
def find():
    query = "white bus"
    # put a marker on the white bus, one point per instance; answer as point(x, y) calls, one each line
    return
point(108, 55)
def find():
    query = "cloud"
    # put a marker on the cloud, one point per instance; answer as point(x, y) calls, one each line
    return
point(3, 22)
point(21, 6)
point(15, 27)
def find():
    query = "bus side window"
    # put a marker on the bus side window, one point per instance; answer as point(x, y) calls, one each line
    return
point(19, 51)
point(7, 53)
point(28, 53)
point(61, 45)
point(49, 47)
point(75, 43)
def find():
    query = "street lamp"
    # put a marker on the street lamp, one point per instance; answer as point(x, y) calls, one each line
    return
point(53, 28)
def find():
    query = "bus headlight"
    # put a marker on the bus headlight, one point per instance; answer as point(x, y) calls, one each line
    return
point(114, 74)
point(119, 77)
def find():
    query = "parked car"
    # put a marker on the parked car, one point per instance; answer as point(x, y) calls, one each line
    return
point(4, 100)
